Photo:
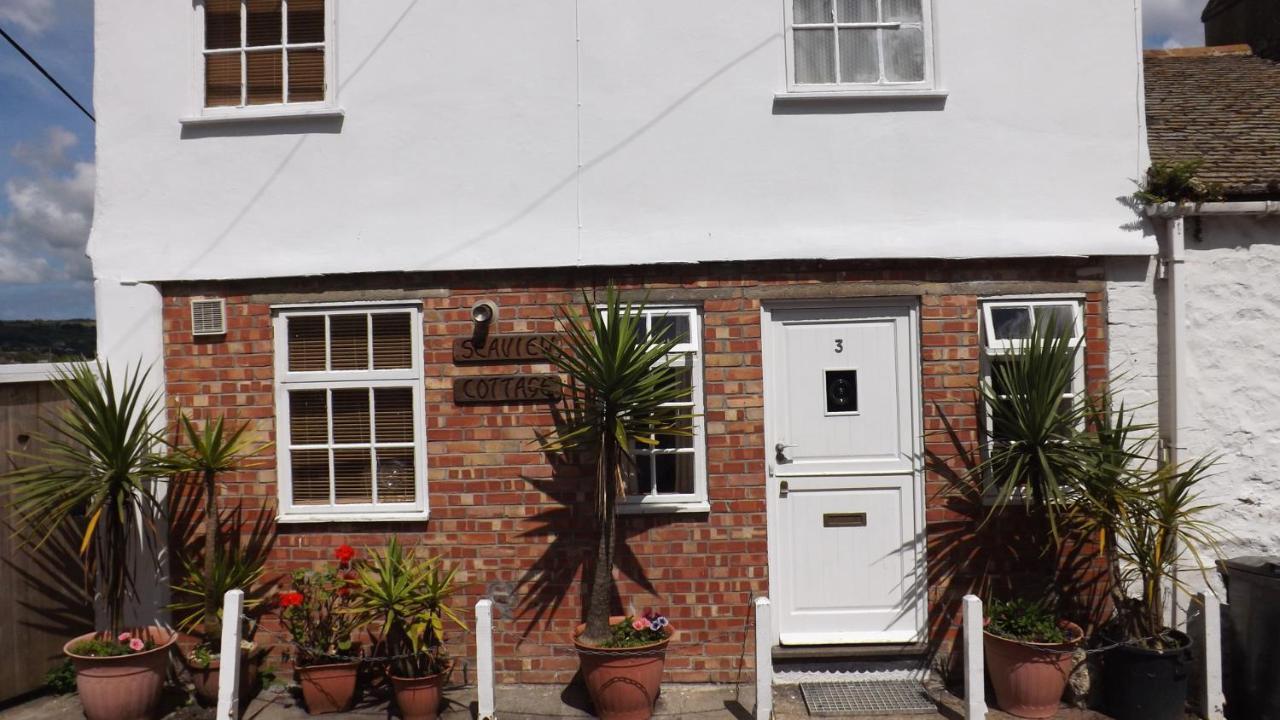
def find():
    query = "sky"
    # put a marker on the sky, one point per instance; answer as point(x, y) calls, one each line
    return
point(46, 149)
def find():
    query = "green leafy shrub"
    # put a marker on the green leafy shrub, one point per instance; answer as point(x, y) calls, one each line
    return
point(1024, 621)
point(61, 678)
point(645, 629)
point(1176, 182)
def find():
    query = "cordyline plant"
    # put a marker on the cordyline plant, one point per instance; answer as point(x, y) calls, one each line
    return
point(202, 454)
point(622, 386)
point(95, 470)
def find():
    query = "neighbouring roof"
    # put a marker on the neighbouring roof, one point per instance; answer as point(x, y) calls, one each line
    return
point(1216, 7)
point(1220, 105)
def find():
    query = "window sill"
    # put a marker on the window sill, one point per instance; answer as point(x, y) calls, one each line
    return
point(278, 112)
point(858, 95)
point(663, 508)
point(297, 518)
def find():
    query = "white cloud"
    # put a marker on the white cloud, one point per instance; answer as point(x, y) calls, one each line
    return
point(34, 16)
point(1173, 23)
point(42, 237)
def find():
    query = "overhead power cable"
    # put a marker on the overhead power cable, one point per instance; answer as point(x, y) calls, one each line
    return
point(22, 51)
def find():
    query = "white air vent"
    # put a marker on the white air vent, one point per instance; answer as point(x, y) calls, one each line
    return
point(209, 316)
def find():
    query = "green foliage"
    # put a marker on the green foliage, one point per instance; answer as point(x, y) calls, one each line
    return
point(61, 678)
point(317, 614)
point(1176, 182)
point(1024, 620)
point(1035, 444)
point(98, 464)
point(624, 389)
point(201, 655)
point(633, 632)
point(231, 570)
point(36, 341)
point(405, 599)
point(104, 646)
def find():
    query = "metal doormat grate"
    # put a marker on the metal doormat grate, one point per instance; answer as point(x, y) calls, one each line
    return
point(874, 697)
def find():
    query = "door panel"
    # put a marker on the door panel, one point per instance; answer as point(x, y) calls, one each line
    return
point(845, 513)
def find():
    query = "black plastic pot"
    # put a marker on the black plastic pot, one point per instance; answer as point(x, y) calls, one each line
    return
point(1143, 684)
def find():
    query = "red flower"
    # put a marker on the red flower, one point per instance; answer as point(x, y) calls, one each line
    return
point(344, 591)
point(290, 599)
point(345, 553)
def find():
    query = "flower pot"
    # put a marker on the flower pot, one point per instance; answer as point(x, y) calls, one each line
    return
point(204, 680)
point(419, 698)
point(1029, 678)
point(328, 688)
point(623, 682)
point(124, 687)
point(1143, 684)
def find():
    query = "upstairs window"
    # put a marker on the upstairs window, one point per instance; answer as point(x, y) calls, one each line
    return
point(264, 52)
point(859, 45)
point(350, 424)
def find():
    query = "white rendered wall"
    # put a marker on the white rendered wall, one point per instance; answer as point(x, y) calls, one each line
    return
point(481, 135)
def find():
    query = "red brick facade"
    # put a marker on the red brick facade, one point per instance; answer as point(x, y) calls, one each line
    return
point(514, 525)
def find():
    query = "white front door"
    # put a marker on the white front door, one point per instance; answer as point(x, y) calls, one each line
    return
point(846, 519)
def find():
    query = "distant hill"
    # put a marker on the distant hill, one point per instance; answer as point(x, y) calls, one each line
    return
point(35, 341)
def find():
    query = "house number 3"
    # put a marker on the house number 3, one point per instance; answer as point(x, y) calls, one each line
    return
point(839, 346)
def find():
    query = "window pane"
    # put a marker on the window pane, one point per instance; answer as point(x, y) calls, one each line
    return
point(672, 327)
point(1010, 323)
point(1057, 319)
point(264, 23)
point(856, 11)
point(396, 481)
point(858, 61)
point(674, 473)
point(222, 80)
point(306, 343)
point(266, 83)
point(310, 477)
point(306, 21)
point(392, 340)
point(308, 417)
point(352, 476)
point(815, 56)
point(906, 11)
point(812, 11)
point(904, 55)
point(670, 442)
point(394, 408)
point(349, 342)
point(221, 24)
point(306, 75)
point(351, 416)
point(644, 475)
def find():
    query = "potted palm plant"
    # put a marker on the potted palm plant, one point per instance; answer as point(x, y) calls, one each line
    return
point(1030, 651)
point(622, 387)
point(317, 615)
point(403, 599)
point(96, 472)
point(200, 456)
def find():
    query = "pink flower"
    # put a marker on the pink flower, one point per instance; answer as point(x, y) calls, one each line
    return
point(137, 645)
point(640, 624)
point(123, 638)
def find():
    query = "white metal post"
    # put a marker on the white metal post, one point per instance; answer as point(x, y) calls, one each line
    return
point(229, 659)
point(764, 660)
point(484, 659)
point(975, 691)
point(1212, 701)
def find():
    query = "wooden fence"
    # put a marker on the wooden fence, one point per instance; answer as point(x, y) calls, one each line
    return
point(42, 598)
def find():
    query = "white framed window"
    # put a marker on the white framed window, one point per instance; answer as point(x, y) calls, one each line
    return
point(672, 476)
point(859, 46)
point(350, 426)
point(264, 57)
point(1006, 326)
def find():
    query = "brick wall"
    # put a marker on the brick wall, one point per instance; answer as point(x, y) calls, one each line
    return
point(515, 525)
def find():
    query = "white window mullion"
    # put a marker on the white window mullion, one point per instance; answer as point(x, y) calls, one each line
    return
point(373, 430)
point(333, 479)
point(284, 52)
point(244, 56)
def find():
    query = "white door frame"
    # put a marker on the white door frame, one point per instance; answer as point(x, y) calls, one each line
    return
point(771, 390)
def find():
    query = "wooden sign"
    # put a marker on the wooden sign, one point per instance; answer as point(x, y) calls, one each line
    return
point(502, 348)
point(536, 387)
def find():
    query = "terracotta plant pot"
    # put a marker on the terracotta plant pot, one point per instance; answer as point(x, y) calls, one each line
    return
point(328, 688)
point(419, 698)
point(204, 680)
point(1029, 678)
point(623, 682)
point(124, 687)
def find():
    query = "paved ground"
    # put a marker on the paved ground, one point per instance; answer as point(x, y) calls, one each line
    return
point(531, 702)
